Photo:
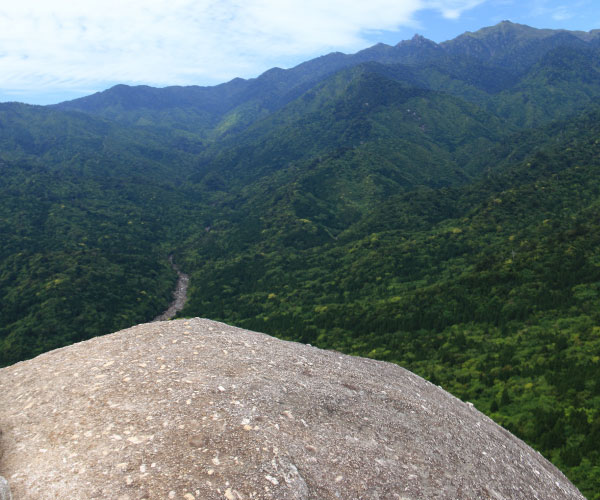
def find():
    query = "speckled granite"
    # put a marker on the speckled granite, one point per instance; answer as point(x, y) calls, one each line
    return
point(195, 409)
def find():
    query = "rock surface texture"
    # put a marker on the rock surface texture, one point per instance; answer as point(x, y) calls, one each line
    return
point(198, 410)
point(4, 489)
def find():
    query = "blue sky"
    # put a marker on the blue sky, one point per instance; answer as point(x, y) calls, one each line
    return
point(59, 50)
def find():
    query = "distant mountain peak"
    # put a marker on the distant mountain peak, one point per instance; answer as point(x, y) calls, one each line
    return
point(517, 30)
point(417, 39)
point(505, 27)
point(513, 46)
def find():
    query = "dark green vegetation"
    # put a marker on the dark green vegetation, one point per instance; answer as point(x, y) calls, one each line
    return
point(437, 206)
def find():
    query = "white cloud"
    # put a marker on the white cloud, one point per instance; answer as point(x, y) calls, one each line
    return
point(453, 9)
point(65, 44)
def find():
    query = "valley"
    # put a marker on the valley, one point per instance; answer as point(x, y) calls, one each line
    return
point(432, 205)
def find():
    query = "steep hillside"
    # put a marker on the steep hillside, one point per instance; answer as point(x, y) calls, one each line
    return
point(200, 410)
point(357, 110)
point(563, 82)
point(85, 210)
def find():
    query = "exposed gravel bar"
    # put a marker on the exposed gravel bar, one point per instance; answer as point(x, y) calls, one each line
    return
point(179, 294)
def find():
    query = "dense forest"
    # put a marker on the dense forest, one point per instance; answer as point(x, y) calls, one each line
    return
point(431, 205)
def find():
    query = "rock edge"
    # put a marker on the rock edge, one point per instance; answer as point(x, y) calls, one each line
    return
point(195, 409)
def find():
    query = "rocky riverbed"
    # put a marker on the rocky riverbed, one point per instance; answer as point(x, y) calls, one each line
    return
point(179, 294)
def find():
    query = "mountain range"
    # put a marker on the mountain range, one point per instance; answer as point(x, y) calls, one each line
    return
point(433, 205)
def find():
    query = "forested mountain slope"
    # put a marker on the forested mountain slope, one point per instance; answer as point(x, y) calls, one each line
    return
point(435, 205)
point(84, 217)
point(360, 111)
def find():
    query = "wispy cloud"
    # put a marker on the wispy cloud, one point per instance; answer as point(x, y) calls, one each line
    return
point(562, 14)
point(560, 11)
point(63, 44)
point(453, 9)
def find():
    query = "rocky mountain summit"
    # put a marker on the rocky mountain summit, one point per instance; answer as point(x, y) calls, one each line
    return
point(195, 409)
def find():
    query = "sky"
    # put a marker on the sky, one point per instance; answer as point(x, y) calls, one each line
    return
point(56, 50)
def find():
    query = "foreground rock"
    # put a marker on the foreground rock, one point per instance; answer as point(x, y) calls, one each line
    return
point(4, 489)
point(200, 410)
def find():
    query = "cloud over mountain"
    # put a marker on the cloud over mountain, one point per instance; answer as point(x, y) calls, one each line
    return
point(80, 45)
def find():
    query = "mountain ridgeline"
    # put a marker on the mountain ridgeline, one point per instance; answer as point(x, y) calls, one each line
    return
point(433, 205)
